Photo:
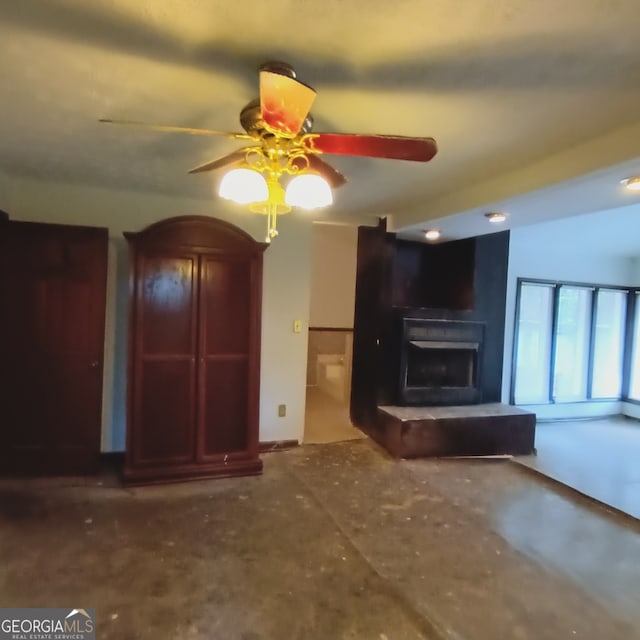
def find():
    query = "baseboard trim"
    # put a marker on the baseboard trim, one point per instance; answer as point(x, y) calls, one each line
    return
point(277, 445)
point(115, 459)
point(112, 460)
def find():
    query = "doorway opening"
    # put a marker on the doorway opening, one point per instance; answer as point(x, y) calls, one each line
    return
point(329, 387)
point(334, 249)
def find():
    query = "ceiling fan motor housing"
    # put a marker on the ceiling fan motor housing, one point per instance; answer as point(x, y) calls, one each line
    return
point(276, 66)
point(251, 119)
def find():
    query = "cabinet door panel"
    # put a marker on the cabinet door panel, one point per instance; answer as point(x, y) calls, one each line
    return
point(165, 363)
point(225, 406)
point(167, 310)
point(225, 306)
point(224, 339)
point(165, 429)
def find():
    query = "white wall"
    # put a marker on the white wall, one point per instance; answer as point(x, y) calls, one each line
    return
point(630, 410)
point(285, 298)
point(285, 288)
point(334, 251)
point(538, 252)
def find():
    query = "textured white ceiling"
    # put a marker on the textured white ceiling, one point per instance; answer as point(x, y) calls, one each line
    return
point(501, 85)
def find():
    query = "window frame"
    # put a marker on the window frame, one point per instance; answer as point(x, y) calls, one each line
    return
point(632, 300)
point(633, 317)
point(514, 354)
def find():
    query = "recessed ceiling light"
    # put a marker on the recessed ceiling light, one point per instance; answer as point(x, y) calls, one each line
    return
point(496, 216)
point(633, 184)
point(431, 234)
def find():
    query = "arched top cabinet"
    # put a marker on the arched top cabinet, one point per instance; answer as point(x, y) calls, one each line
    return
point(194, 351)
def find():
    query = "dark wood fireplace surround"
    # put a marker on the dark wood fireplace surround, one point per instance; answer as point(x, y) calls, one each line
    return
point(438, 309)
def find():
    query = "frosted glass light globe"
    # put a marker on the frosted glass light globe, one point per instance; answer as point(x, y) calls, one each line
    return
point(243, 186)
point(308, 191)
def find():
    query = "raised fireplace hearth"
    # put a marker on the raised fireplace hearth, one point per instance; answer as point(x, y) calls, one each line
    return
point(487, 429)
point(440, 362)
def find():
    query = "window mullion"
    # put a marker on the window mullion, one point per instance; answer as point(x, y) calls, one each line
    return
point(554, 339)
point(592, 341)
point(627, 357)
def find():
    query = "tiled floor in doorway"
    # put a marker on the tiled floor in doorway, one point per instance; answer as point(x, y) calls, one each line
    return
point(327, 420)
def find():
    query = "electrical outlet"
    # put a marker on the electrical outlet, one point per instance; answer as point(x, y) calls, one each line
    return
point(282, 410)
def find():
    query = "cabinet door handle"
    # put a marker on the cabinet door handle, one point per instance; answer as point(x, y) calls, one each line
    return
point(94, 364)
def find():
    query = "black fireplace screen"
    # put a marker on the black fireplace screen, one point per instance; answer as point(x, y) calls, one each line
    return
point(441, 364)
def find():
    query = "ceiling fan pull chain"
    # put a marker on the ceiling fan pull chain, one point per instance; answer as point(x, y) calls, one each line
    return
point(272, 232)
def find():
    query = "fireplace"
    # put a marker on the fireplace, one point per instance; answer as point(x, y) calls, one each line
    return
point(440, 362)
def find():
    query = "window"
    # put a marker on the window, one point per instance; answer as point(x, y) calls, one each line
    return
point(572, 336)
point(533, 344)
point(634, 387)
point(570, 342)
point(608, 346)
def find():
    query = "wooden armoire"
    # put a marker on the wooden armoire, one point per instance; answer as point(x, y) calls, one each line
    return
point(194, 351)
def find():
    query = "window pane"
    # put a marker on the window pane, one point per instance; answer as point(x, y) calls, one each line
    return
point(572, 344)
point(533, 344)
point(634, 390)
point(608, 344)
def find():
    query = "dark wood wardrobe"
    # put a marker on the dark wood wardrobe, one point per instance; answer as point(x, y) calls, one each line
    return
point(194, 351)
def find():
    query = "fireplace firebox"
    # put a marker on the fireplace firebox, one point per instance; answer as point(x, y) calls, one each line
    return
point(440, 362)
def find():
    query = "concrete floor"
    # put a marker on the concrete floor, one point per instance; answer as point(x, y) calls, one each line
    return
point(598, 458)
point(334, 541)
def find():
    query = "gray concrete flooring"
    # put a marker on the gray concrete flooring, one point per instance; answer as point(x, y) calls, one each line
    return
point(599, 458)
point(334, 541)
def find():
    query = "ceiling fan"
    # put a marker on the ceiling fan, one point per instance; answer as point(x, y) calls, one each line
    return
point(278, 127)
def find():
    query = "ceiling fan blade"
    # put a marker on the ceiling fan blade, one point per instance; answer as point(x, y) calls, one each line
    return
point(373, 146)
point(284, 103)
point(331, 175)
point(172, 129)
point(230, 158)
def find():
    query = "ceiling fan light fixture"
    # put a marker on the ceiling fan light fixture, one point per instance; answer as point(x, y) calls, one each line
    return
point(243, 186)
point(633, 184)
point(432, 234)
point(282, 149)
point(308, 191)
point(496, 217)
